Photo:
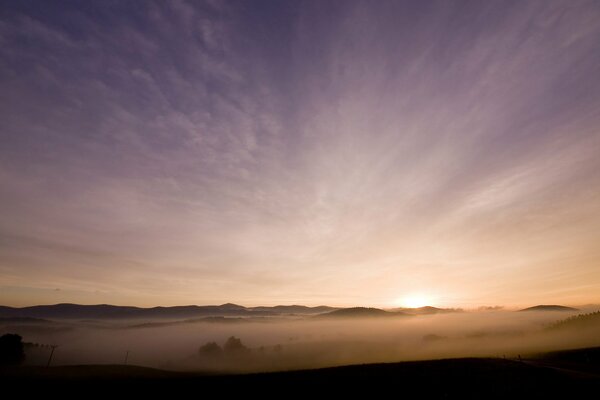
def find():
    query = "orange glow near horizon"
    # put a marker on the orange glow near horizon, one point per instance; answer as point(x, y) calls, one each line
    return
point(415, 301)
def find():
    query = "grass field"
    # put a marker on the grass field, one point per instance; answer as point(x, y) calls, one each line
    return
point(570, 373)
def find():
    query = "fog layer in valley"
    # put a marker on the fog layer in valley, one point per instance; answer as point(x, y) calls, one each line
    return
point(300, 342)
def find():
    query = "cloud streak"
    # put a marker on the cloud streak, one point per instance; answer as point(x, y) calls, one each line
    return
point(313, 152)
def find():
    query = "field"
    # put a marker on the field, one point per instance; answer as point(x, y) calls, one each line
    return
point(568, 373)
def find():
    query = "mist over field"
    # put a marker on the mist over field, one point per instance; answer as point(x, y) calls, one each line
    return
point(299, 342)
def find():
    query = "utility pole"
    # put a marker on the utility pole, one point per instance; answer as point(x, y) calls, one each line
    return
point(51, 353)
point(126, 356)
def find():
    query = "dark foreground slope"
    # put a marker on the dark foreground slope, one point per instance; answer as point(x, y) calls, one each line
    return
point(452, 378)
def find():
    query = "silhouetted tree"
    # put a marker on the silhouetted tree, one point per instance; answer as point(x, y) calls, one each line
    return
point(234, 345)
point(210, 349)
point(11, 349)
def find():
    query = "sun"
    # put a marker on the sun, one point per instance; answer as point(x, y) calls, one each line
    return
point(414, 301)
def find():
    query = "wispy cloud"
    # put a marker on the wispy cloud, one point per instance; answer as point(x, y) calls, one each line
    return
point(323, 152)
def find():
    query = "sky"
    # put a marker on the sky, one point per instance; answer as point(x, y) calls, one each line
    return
point(300, 152)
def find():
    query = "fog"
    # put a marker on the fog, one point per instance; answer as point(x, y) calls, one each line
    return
point(270, 344)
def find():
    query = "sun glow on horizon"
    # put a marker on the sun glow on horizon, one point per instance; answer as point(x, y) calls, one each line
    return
point(414, 301)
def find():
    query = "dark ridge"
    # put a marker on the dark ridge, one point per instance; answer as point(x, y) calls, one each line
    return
point(231, 306)
point(360, 312)
point(216, 319)
point(24, 320)
point(295, 309)
point(586, 355)
point(427, 310)
point(549, 307)
point(581, 321)
point(106, 311)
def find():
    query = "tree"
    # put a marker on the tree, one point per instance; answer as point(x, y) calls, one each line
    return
point(234, 345)
point(11, 349)
point(210, 350)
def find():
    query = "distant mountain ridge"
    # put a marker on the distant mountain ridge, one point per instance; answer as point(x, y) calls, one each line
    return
point(106, 311)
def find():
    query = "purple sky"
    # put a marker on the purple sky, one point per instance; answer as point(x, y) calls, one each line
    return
point(264, 152)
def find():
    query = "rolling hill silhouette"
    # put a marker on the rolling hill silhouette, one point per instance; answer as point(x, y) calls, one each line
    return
point(549, 307)
point(360, 312)
point(295, 309)
point(106, 311)
point(427, 310)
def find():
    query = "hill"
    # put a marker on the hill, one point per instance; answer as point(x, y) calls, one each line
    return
point(427, 310)
point(295, 309)
point(551, 307)
point(106, 311)
point(360, 312)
